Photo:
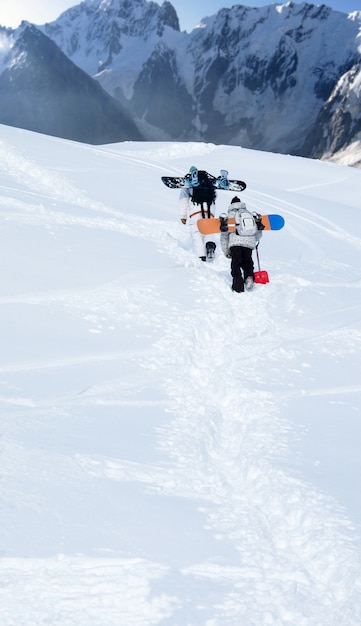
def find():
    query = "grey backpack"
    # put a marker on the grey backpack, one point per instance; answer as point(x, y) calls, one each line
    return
point(245, 223)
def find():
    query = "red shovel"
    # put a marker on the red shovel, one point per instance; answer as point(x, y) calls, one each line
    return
point(261, 276)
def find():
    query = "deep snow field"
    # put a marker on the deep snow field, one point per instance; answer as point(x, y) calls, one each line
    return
point(172, 452)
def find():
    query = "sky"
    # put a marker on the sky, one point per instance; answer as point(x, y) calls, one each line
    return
point(173, 452)
point(189, 12)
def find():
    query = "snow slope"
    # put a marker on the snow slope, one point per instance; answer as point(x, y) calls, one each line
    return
point(171, 452)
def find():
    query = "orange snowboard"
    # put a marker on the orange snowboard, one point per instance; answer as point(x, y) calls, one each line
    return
point(208, 226)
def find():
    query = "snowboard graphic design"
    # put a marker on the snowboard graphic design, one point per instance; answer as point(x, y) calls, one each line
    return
point(212, 225)
point(184, 182)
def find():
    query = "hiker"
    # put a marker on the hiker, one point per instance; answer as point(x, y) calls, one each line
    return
point(195, 202)
point(238, 245)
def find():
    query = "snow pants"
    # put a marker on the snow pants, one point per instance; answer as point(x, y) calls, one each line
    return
point(199, 240)
point(241, 266)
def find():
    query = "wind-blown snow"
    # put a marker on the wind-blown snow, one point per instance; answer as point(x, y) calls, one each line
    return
point(172, 452)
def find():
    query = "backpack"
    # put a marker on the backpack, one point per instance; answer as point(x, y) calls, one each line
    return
point(245, 223)
point(205, 192)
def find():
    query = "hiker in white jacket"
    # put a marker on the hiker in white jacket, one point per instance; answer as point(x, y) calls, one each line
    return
point(191, 209)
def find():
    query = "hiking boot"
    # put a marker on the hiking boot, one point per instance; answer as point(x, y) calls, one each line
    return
point(249, 283)
point(210, 248)
point(238, 284)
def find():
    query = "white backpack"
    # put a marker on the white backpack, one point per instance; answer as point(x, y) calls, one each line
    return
point(245, 223)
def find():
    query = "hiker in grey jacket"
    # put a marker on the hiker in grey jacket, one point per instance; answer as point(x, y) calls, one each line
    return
point(238, 247)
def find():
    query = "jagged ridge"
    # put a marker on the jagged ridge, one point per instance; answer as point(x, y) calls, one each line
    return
point(282, 77)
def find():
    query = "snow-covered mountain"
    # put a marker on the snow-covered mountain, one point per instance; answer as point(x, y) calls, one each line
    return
point(338, 125)
point(258, 77)
point(41, 89)
point(283, 78)
point(173, 453)
point(133, 49)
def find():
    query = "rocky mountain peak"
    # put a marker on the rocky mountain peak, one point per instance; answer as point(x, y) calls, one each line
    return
point(94, 32)
point(264, 78)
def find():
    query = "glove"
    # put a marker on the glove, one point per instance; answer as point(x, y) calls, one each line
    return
point(183, 220)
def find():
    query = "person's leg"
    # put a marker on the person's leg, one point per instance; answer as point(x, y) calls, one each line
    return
point(197, 238)
point(247, 263)
point(236, 272)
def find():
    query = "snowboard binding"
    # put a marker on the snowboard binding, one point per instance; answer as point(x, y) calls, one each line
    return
point(192, 177)
point(223, 223)
point(222, 180)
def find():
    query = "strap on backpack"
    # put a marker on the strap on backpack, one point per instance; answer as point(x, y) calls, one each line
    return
point(236, 220)
point(208, 210)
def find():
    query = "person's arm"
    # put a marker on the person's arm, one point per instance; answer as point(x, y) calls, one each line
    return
point(225, 245)
point(184, 200)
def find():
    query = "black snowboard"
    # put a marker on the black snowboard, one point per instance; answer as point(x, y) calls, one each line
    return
point(183, 182)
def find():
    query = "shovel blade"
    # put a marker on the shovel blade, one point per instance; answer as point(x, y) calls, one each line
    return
point(261, 277)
